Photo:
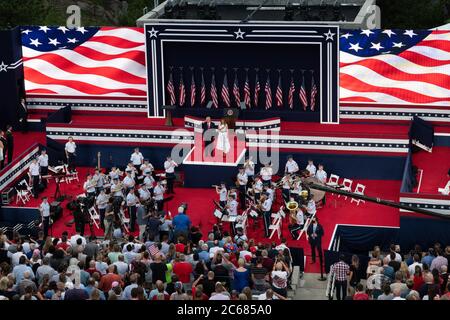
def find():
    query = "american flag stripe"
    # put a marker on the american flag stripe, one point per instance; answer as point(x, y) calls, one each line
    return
point(225, 92)
point(107, 62)
point(182, 99)
point(302, 95)
point(291, 94)
point(313, 93)
point(257, 90)
point(214, 96)
point(247, 92)
point(236, 92)
point(193, 89)
point(203, 91)
point(171, 90)
point(414, 74)
point(268, 91)
point(279, 93)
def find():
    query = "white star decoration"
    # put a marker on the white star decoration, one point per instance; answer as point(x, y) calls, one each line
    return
point(398, 45)
point(367, 32)
point(72, 40)
point(82, 30)
point(239, 34)
point(346, 36)
point(63, 29)
point(44, 28)
point(3, 67)
point(355, 47)
point(153, 33)
point(376, 46)
point(410, 33)
point(35, 42)
point(389, 33)
point(27, 31)
point(53, 41)
point(329, 35)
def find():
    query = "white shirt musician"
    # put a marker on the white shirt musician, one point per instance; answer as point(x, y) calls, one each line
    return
point(147, 166)
point(311, 168)
point(291, 166)
point(158, 192)
point(144, 194)
point(311, 207)
point(71, 146)
point(44, 208)
point(132, 169)
point(266, 173)
point(300, 217)
point(267, 205)
point(258, 186)
point(99, 179)
point(242, 178)
point(232, 207)
point(149, 181)
point(297, 188)
point(35, 177)
point(136, 157)
point(116, 188)
point(249, 166)
point(43, 159)
point(169, 166)
point(286, 182)
point(321, 174)
point(128, 181)
point(271, 193)
point(132, 200)
point(223, 194)
point(233, 193)
point(115, 173)
point(34, 168)
point(89, 185)
point(102, 200)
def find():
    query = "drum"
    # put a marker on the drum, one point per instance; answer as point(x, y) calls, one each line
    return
point(318, 195)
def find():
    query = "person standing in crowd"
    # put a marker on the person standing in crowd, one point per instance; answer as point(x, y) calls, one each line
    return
point(291, 166)
point(355, 272)
point(158, 195)
point(43, 165)
point(34, 177)
point(169, 167)
point(315, 234)
point(242, 181)
point(44, 208)
point(132, 202)
point(10, 143)
point(23, 115)
point(102, 202)
point(181, 223)
point(340, 270)
point(137, 159)
point(3, 149)
point(267, 213)
point(70, 150)
point(249, 167)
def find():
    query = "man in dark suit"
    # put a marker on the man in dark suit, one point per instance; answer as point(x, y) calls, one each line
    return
point(315, 234)
point(10, 142)
point(211, 135)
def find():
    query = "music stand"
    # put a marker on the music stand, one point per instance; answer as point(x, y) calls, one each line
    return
point(168, 110)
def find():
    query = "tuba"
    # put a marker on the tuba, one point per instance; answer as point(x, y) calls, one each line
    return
point(292, 206)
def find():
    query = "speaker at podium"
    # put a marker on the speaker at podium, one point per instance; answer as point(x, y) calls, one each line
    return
point(231, 115)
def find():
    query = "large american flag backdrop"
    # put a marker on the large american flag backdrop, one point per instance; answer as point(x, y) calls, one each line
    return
point(390, 67)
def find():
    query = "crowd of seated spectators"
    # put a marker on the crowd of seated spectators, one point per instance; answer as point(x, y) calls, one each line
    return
point(418, 275)
point(77, 268)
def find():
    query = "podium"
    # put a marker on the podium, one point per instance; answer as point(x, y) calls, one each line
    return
point(169, 110)
point(231, 115)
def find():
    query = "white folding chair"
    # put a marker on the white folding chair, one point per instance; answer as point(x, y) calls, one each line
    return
point(243, 222)
point(347, 186)
point(276, 227)
point(94, 216)
point(359, 190)
point(333, 181)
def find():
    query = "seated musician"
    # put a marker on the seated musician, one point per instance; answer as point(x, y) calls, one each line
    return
point(446, 190)
point(291, 166)
point(116, 188)
point(128, 181)
point(146, 165)
point(115, 173)
point(89, 186)
point(144, 193)
point(102, 202)
point(297, 222)
point(131, 167)
point(311, 207)
point(223, 194)
point(233, 192)
point(311, 168)
point(149, 181)
point(266, 174)
point(270, 192)
point(257, 188)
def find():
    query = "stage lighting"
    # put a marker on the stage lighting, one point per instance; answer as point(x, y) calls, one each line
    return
point(289, 12)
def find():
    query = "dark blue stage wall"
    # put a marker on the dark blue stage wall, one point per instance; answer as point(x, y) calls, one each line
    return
point(13, 215)
point(202, 176)
point(263, 46)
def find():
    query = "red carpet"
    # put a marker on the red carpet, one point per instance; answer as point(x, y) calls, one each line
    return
point(435, 166)
point(200, 209)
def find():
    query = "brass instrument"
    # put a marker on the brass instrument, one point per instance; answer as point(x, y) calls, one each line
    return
point(292, 206)
point(117, 188)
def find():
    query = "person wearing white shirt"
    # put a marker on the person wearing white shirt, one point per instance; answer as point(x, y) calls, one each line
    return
point(99, 179)
point(321, 174)
point(267, 213)
point(128, 182)
point(232, 208)
point(116, 188)
point(144, 194)
point(158, 195)
point(291, 166)
point(286, 187)
point(412, 267)
point(223, 194)
point(242, 180)
point(44, 208)
point(35, 177)
point(70, 150)
point(74, 238)
point(102, 203)
point(311, 168)
point(266, 174)
point(257, 188)
point(132, 201)
point(132, 169)
point(446, 190)
point(43, 165)
point(89, 186)
point(311, 207)
point(137, 158)
point(270, 192)
point(169, 167)
point(249, 167)
point(149, 181)
point(298, 224)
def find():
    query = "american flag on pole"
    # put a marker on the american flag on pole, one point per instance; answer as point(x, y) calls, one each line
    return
point(171, 90)
point(202, 91)
point(236, 93)
point(214, 96)
point(153, 249)
point(313, 92)
point(182, 89)
point(279, 92)
point(291, 92)
point(247, 91)
point(257, 89)
point(193, 89)
point(268, 91)
point(395, 66)
point(225, 92)
point(84, 61)
point(302, 93)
